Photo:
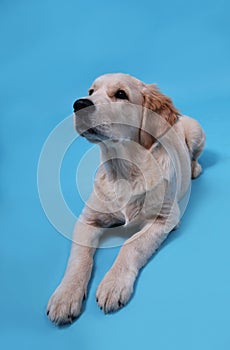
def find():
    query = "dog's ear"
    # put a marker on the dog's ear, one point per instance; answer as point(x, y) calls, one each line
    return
point(161, 105)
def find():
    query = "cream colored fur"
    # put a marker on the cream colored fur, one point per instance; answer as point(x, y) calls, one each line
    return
point(134, 184)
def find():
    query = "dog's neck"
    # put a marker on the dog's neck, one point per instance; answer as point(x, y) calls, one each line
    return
point(122, 159)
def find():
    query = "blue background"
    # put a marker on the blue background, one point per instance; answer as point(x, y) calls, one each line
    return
point(51, 51)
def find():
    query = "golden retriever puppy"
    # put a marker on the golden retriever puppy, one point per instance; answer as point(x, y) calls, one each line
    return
point(149, 154)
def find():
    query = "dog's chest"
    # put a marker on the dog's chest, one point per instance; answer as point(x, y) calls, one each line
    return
point(145, 205)
point(132, 211)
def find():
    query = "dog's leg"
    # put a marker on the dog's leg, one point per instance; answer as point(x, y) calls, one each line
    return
point(117, 286)
point(195, 140)
point(65, 303)
point(198, 146)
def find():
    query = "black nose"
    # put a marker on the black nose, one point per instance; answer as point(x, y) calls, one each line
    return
point(82, 103)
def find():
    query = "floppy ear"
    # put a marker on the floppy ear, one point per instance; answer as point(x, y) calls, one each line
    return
point(162, 105)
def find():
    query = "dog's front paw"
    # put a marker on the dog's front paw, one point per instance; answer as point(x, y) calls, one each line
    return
point(115, 290)
point(65, 304)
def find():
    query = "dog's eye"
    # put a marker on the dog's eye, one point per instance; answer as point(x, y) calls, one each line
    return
point(91, 91)
point(121, 94)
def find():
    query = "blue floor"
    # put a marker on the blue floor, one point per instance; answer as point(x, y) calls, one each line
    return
point(50, 53)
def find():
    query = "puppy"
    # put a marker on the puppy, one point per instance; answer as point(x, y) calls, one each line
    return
point(149, 154)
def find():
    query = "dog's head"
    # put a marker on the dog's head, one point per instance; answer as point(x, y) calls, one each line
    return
point(122, 107)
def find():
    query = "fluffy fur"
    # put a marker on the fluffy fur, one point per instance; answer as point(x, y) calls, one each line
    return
point(137, 170)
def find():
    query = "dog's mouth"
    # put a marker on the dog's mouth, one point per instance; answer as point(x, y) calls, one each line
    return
point(94, 134)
